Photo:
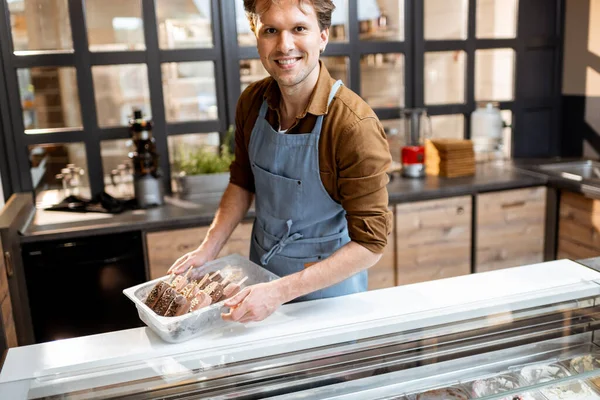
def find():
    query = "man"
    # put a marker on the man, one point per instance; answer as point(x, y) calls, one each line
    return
point(315, 156)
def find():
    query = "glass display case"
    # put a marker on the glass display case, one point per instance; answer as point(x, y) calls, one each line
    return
point(509, 337)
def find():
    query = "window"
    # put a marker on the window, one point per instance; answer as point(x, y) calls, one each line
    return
point(75, 71)
point(38, 25)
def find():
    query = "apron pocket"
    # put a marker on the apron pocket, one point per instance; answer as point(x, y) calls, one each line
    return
point(277, 195)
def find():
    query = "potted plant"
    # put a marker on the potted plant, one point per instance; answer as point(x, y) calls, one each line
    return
point(204, 170)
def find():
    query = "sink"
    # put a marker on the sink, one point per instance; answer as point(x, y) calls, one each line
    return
point(576, 170)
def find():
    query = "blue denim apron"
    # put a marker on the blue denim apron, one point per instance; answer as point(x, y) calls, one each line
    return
point(297, 222)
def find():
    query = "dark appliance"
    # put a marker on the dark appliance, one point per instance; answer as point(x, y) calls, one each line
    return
point(75, 286)
point(147, 176)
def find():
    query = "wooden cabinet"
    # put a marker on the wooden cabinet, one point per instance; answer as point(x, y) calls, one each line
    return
point(7, 324)
point(578, 227)
point(510, 228)
point(433, 239)
point(383, 275)
point(164, 247)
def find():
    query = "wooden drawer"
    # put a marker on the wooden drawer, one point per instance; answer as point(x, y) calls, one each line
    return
point(382, 274)
point(578, 227)
point(510, 228)
point(167, 246)
point(433, 239)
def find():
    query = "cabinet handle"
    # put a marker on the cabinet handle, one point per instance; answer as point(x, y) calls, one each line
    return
point(513, 205)
point(10, 271)
point(460, 210)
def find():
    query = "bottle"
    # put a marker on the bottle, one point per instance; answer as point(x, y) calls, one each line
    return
point(147, 184)
point(486, 129)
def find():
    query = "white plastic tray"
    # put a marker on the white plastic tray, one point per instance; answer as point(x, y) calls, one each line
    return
point(188, 326)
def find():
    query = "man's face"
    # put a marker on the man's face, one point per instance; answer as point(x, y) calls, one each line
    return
point(289, 40)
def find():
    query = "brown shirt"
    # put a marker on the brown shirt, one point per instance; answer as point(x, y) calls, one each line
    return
point(353, 152)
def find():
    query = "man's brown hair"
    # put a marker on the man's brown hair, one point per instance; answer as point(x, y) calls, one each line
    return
point(323, 8)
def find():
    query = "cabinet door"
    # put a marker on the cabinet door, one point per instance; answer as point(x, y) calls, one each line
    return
point(382, 274)
point(165, 247)
point(578, 227)
point(510, 228)
point(8, 330)
point(433, 239)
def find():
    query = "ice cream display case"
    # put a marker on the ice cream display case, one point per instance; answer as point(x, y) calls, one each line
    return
point(523, 333)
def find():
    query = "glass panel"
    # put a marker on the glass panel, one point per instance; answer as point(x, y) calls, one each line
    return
point(182, 145)
point(114, 25)
point(52, 180)
point(338, 68)
point(190, 92)
point(445, 77)
point(118, 89)
point(381, 20)
point(184, 24)
point(496, 19)
point(251, 71)
point(339, 22)
point(40, 25)
point(448, 126)
point(394, 130)
point(382, 79)
point(245, 35)
point(446, 19)
point(49, 98)
point(494, 74)
point(117, 168)
point(183, 152)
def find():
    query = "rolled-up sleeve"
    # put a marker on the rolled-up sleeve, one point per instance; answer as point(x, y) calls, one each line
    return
point(363, 160)
point(240, 171)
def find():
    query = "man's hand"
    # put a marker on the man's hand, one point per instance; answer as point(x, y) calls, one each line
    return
point(194, 258)
point(254, 303)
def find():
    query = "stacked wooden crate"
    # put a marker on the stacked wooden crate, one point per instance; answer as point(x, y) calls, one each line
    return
point(449, 158)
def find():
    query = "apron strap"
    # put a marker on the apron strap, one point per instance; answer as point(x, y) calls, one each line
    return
point(283, 241)
point(334, 90)
point(263, 109)
point(294, 238)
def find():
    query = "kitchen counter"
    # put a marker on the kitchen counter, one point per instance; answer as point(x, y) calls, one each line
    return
point(122, 356)
point(181, 214)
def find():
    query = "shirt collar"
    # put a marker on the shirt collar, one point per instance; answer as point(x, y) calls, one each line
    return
point(317, 104)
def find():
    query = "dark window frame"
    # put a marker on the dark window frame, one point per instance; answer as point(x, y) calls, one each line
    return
point(226, 55)
point(83, 60)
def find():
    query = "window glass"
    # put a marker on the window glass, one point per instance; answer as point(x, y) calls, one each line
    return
point(58, 170)
point(448, 126)
point(114, 25)
point(49, 98)
point(118, 89)
point(184, 23)
point(381, 20)
point(497, 19)
point(189, 90)
point(446, 19)
point(40, 25)
point(117, 168)
point(445, 77)
point(251, 71)
point(494, 74)
point(382, 79)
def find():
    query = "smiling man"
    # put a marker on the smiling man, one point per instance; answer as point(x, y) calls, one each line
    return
point(314, 156)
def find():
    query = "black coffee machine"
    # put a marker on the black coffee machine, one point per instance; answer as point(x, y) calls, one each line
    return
point(147, 177)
